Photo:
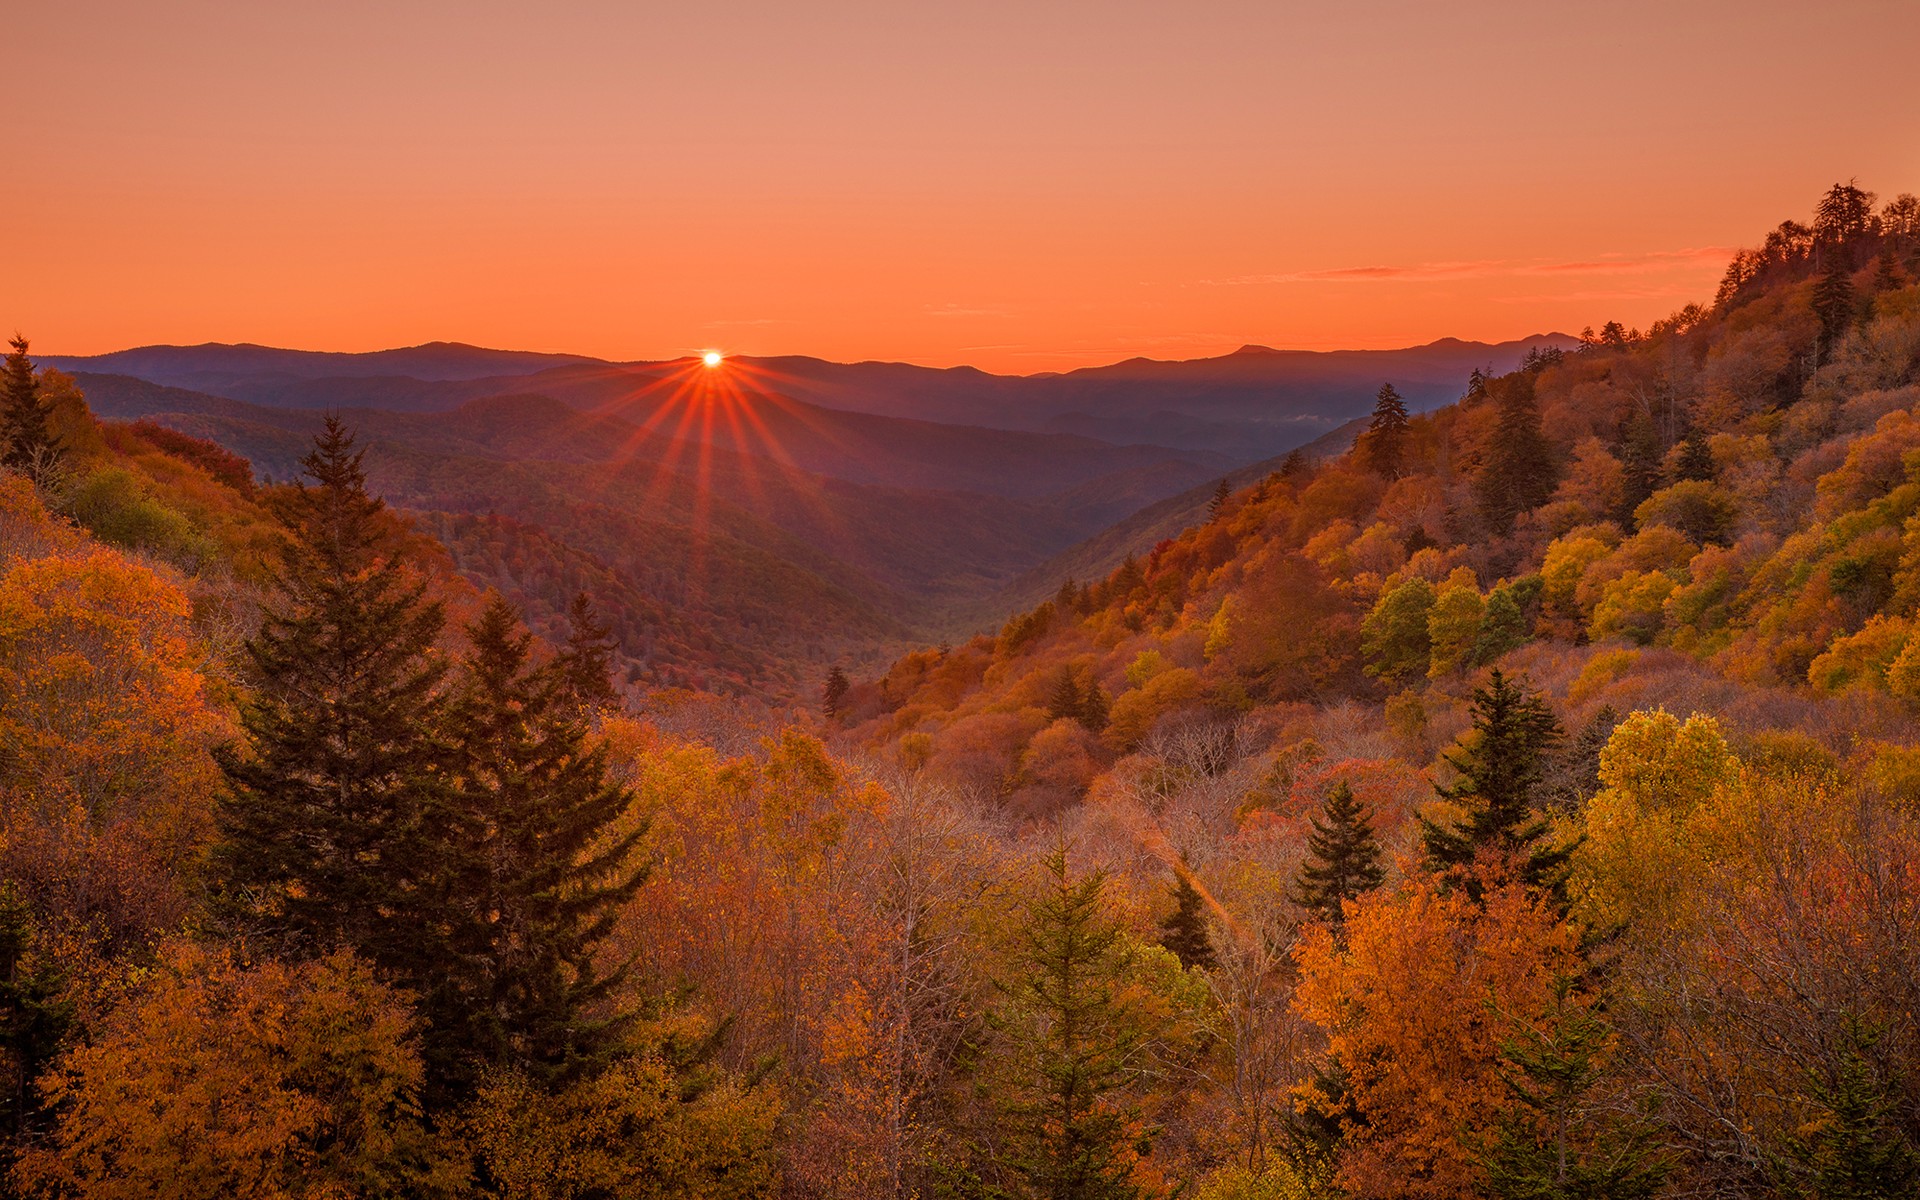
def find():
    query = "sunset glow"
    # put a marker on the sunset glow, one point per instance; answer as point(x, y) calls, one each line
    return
point(1017, 187)
point(711, 358)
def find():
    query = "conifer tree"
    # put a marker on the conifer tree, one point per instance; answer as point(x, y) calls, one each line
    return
point(1856, 1148)
point(1387, 433)
point(1833, 304)
point(1293, 465)
point(1218, 504)
point(1343, 857)
point(1184, 931)
point(1066, 700)
point(1067, 599)
point(1559, 1142)
point(28, 443)
point(1519, 473)
point(1640, 451)
point(1316, 1126)
point(585, 663)
point(332, 820)
point(1072, 1130)
point(1696, 460)
point(34, 1017)
point(541, 876)
point(1094, 706)
point(1500, 769)
point(834, 692)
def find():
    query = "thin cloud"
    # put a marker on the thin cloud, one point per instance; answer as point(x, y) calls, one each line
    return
point(1612, 264)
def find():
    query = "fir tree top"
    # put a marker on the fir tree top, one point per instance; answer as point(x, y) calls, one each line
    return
point(1343, 857)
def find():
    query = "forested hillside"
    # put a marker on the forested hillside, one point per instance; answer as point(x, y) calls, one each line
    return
point(1525, 803)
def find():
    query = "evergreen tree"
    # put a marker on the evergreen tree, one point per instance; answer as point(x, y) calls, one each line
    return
point(1696, 460)
point(1066, 700)
point(1519, 472)
point(1073, 1133)
point(1857, 1147)
point(1513, 730)
point(34, 1017)
point(28, 443)
point(1312, 1132)
point(1640, 451)
point(1387, 433)
point(834, 691)
point(1184, 932)
point(1343, 857)
point(585, 663)
point(1067, 599)
point(1887, 276)
point(1293, 465)
point(1094, 706)
point(1841, 222)
point(333, 819)
point(1557, 1144)
point(1218, 504)
point(541, 875)
point(1833, 304)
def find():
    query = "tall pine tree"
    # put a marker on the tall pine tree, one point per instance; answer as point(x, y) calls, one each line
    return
point(34, 1017)
point(1387, 433)
point(1072, 1130)
point(28, 443)
point(1833, 305)
point(542, 873)
point(834, 692)
point(1184, 932)
point(1499, 772)
point(1519, 473)
point(333, 817)
point(1218, 504)
point(1343, 858)
point(585, 664)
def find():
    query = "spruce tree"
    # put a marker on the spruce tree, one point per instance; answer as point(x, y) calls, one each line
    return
point(1559, 1142)
point(1218, 504)
point(34, 1017)
point(1833, 304)
point(1500, 770)
point(1184, 931)
point(1094, 706)
point(1293, 465)
point(333, 818)
point(585, 664)
point(1858, 1147)
point(1519, 473)
point(542, 874)
point(1696, 460)
point(28, 443)
point(1072, 1131)
point(1066, 700)
point(1640, 451)
point(834, 692)
point(1343, 857)
point(1387, 433)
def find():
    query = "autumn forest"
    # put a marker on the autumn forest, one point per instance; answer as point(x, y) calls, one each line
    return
point(1508, 788)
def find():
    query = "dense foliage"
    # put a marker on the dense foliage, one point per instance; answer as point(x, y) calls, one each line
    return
point(1525, 805)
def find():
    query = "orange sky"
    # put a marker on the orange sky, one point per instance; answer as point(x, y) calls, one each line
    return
point(1022, 186)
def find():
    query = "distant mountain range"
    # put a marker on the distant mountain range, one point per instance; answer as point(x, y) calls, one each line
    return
point(1251, 404)
point(893, 503)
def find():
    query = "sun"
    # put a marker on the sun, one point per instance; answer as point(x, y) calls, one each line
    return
point(712, 358)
